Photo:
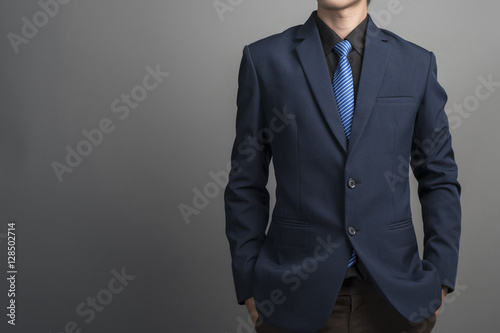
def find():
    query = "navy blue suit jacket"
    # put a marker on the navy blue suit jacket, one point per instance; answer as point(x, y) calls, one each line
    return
point(333, 195)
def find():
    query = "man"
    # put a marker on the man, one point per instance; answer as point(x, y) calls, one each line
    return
point(344, 109)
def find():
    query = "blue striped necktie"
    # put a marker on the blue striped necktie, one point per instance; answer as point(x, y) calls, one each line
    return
point(344, 94)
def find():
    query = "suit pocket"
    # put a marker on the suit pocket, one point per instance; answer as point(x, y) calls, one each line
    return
point(400, 224)
point(290, 222)
point(289, 233)
point(395, 100)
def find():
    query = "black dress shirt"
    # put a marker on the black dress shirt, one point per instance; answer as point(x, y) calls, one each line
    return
point(357, 39)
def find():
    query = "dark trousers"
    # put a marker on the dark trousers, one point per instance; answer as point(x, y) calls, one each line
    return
point(360, 308)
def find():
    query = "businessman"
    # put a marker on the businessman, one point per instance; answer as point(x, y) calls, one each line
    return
point(344, 110)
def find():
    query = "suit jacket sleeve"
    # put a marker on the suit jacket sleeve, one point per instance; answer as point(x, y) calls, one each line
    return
point(435, 169)
point(246, 197)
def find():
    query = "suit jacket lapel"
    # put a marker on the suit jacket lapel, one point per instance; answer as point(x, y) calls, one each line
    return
point(375, 60)
point(312, 59)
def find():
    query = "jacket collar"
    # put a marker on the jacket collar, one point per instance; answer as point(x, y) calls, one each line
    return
point(375, 60)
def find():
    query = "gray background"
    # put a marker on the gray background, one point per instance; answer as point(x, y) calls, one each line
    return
point(120, 207)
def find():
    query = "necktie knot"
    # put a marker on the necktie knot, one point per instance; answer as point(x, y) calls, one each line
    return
point(343, 48)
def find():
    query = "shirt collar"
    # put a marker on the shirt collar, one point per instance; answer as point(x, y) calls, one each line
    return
point(329, 38)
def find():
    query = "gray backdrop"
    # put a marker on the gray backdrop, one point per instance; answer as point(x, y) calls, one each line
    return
point(116, 115)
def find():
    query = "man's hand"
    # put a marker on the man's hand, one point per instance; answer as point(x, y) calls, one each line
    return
point(252, 310)
point(444, 291)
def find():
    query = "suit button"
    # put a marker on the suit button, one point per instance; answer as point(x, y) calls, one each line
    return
point(351, 230)
point(351, 183)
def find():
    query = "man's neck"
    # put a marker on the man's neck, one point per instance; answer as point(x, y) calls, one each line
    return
point(343, 21)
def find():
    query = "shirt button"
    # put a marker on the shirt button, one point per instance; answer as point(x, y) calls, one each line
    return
point(351, 183)
point(351, 230)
